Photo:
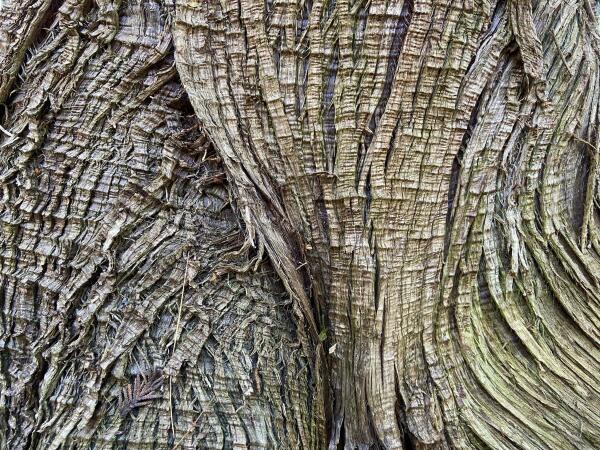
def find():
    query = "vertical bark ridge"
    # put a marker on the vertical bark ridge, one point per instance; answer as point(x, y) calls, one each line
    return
point(339, 124)
point(356, 327)
point(521, 240)
point(22, 23)
point(454, 339)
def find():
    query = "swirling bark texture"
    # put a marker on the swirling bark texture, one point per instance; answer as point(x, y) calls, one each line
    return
point(121, 257)
point(421, 174)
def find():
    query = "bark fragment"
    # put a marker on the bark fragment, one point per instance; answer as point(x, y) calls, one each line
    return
point(339, 125)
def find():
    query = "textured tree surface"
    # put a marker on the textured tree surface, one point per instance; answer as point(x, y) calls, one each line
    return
point(300, 224)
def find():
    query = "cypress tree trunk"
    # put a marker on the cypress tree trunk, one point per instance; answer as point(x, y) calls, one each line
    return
point(122, 259)
point(275, 224)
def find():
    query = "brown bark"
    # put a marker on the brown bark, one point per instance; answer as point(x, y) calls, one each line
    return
point(449, 325)
point(121, 257)
point(420, 174)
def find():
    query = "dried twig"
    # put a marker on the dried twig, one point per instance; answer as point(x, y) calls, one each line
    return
point(140, 393)
point(187, 433)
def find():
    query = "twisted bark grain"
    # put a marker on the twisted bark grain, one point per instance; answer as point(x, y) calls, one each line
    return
point(447, 326)
point(422, 175)
point(120, 256)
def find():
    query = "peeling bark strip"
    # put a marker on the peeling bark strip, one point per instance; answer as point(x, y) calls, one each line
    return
point(530, 47)
point(477, 346)
point(421, 174)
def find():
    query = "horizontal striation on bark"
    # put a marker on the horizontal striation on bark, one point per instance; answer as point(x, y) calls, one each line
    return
point(462, 325)
point(121, 256)
point(421, 173)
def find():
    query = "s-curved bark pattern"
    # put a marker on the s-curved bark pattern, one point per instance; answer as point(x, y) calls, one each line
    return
point(436, 164)
point(421, 173)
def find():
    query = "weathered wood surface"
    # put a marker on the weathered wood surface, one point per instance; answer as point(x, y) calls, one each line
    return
point(421, 174)
point(120, 256)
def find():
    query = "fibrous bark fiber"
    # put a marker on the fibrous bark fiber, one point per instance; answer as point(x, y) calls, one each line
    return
point(422, 176)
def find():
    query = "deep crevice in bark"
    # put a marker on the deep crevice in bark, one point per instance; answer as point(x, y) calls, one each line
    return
point(400, 29)
point(329, 130)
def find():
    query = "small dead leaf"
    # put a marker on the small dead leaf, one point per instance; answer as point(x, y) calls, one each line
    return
point(141, 392)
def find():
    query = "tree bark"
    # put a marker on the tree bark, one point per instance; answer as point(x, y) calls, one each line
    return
point(121, 256)
point(420, 174)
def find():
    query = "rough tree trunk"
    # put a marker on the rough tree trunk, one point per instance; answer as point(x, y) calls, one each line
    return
point(323, 223)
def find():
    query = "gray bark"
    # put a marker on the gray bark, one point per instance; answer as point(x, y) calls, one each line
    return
point(121, 255)
point(343, 224)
